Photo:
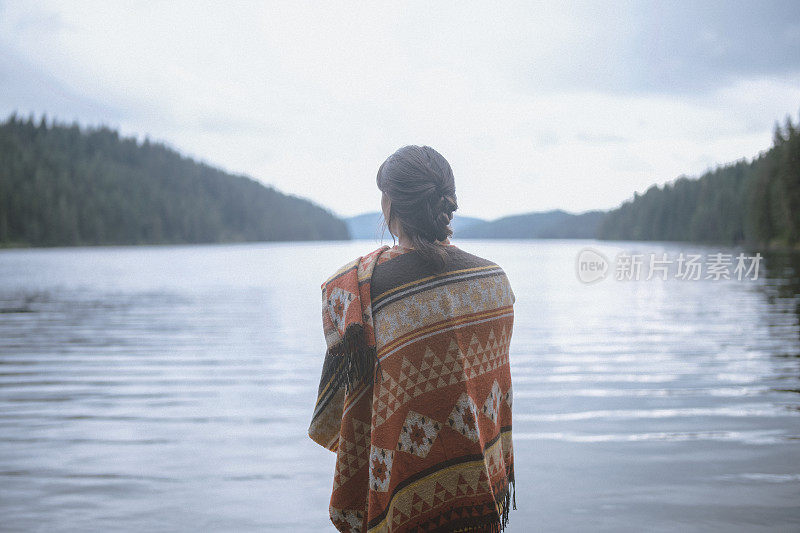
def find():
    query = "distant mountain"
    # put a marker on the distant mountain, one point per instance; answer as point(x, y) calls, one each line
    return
point(555, 224)
point(368, 225)
point(63, 185)
point(461, 223)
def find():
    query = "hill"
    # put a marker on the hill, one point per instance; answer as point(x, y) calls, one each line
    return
point(63, 185)
point(461, 223)
point(753, 202)
point(368, 225)
point(555, 224)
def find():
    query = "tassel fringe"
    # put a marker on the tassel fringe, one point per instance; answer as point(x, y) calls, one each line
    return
point(490, 523)
point(509, 500)
point(359, 361)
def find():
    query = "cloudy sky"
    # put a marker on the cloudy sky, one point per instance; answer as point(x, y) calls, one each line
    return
point(536, 105)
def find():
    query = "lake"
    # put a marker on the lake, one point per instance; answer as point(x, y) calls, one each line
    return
point(169, 388)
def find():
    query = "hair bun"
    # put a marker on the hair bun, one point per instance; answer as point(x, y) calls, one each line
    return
point(443, 216)
point(447, 204)
point(442, 228)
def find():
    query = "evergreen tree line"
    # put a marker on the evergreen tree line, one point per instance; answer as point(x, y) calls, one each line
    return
point(64, 185)
point(744, 202)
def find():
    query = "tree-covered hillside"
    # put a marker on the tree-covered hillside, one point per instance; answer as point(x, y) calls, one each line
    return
point(754, 202)
point(64, 185)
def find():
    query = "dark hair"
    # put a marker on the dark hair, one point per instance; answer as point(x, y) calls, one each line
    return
point(419, 183)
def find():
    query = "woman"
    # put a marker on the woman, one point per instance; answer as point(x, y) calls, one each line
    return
point(415, 396)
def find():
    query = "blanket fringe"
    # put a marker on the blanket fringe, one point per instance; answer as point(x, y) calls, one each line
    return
point(359, 361)
point(509, 500)
point(490, 523)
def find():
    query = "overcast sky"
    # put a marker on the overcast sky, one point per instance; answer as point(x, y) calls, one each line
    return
point(536, 105)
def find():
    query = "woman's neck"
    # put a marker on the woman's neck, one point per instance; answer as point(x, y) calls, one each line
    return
point(404, 242)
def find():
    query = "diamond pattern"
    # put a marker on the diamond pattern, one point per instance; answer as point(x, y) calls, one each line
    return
point(418, 433)
point(439, 371)
point(491, 406)
point(464, 418)
point(338, 302)
point(380, 468)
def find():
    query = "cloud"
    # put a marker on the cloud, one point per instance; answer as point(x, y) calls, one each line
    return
point(30, 89)
point(536, 105)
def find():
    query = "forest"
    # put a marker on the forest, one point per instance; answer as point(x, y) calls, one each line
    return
point(63, 185)
point(756, 202)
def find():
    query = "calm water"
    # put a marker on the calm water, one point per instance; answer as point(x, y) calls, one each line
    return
point(170, 389)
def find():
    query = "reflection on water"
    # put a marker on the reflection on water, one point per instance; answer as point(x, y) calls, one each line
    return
point(170, 388)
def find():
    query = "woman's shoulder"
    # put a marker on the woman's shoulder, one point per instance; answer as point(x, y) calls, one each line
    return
point(362, 263)
point(464, 258)
point(401, 268)
point(457, 259)
point(470, 262)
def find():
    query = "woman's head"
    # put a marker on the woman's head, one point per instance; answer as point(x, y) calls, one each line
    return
point(419, 194)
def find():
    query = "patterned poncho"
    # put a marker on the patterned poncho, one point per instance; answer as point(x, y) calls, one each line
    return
point(415, 396)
